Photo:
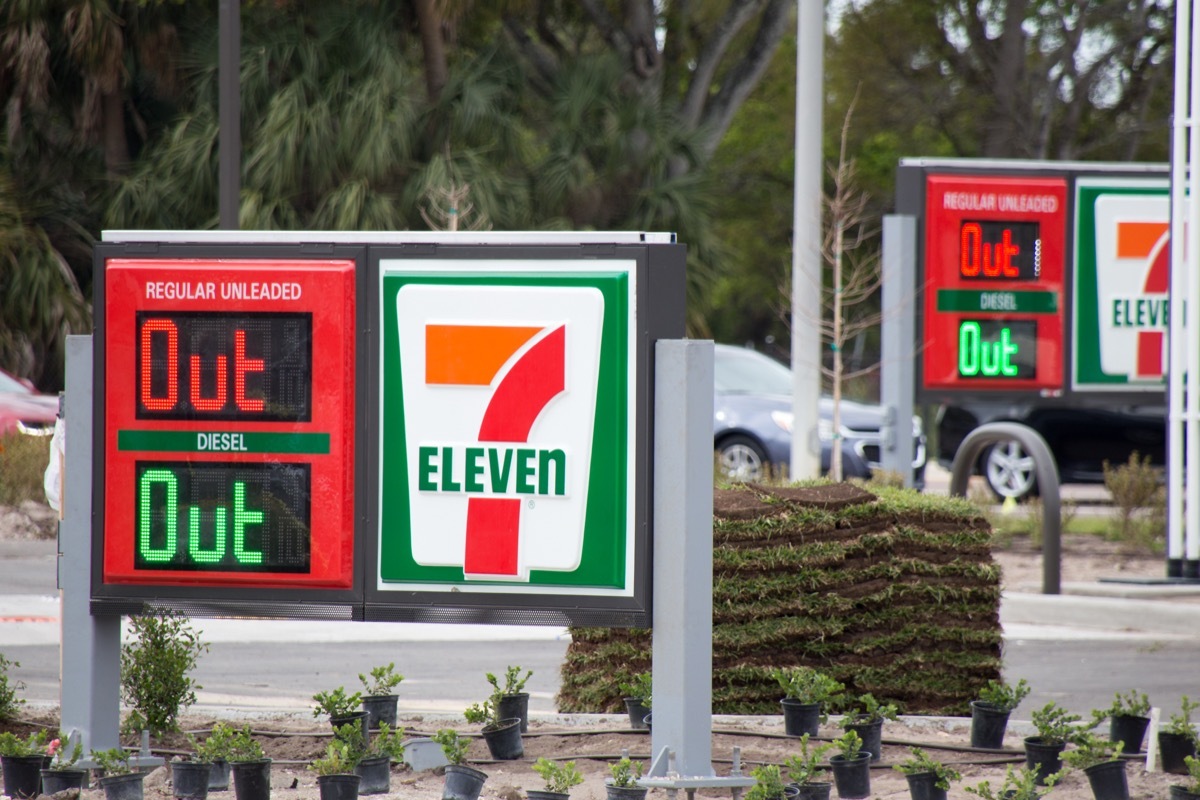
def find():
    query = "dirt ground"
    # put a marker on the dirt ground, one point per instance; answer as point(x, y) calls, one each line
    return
point(593, 745)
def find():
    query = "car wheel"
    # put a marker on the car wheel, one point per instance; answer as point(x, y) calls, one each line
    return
point(740, 458)
point(1010, 471)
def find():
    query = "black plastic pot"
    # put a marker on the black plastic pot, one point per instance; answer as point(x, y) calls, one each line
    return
point(375, 775)
point(515, 706)
point(1128, 730)
point(1174, 748)
point(380, 708)
point(1182, 793)
point(123, 787)
point(189, 779)
point(59, 780)
point(1046, 759)
point(637, 712)
point(852, 776)
point(800, 718)
point(988, 724)
point(624, 792)
point(22, 775)
point(649, 719)
point(252, 779)
point(463, 783)
point(504, 740)
point(218, 776)
point(923, 786)
point(1107, 780)
point(338, 787)
point(539, 794)
point(871, 734)
point(360, 717)
point(816, 790)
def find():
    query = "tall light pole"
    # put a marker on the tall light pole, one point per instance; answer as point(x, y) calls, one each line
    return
point(806, 239)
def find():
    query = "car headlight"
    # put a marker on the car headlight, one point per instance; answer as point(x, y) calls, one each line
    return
point(783, 419)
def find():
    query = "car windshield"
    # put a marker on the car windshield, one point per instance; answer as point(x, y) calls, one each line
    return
point(747, 372)
point(12, 385)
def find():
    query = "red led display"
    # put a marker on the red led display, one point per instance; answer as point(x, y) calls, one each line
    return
point(995, 252)
point(229, 423)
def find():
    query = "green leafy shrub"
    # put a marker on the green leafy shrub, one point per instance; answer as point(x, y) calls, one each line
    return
point(867, 709)
point(61, 758)
point(454, 747)
point(217, 745)
point(32, 745)
point(849, 744)
point(769, 783)
point(244, 747)
point(625, 773)
point(1181, 724)
point(1003, 696)
point(559, 777)
point(1091, 750)
point(1137, 491)
point(807, 685)
point(114, 761)
point(514, 682)
point(1132, 704)
point(1019, 784)
point(154, 670)
point(640, 686)
point(1055, 725)
point(919, 761)
point(383, 680)
point(339, 759)
point(806, 767)
point(337, 703)
point(10, 702)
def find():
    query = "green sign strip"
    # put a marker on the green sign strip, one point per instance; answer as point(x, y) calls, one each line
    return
point(222, 442)
point(997, 302)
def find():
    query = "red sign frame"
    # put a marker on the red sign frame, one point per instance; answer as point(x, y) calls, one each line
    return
point(962, 289)
point(322, 288)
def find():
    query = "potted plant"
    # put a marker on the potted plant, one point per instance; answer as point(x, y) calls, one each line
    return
point(804, 691)
point(380, 699)
point(120, 780)
point(989, 713)
point(336, 778)
point(1056, 727)
point(1019, 784)
point(623, 784)
point(502, 735)
point(927, 779)
point(21, 760)
point(807, 769)
point(1191, 789)
point(215, 749)
point(461, 782)
point(1128, 717)
point(513, 699)
point(341, 708)
point(373, 760)
point(1177, 739)
point(866, 719)
point(1101, 762)
point(62, 773)
point(559, 778)
point(851, 766)
point(637, 692)
point(250, 767)
point(768, 783)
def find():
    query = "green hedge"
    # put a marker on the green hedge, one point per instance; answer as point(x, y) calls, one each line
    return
point(893, 593)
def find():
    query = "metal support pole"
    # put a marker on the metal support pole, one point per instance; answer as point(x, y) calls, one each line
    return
point(806, 240)
point(897, 383)
point(683, 479)
point(91, 646)
point(229, 112)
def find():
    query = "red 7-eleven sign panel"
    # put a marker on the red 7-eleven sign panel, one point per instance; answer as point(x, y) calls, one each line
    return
point(506, 410)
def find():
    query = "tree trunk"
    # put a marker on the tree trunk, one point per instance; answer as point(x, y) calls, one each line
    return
point(116, 146)
point(434, 48)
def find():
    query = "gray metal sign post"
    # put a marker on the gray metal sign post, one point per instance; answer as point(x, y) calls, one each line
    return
point(897, 383)
point(91, 646)
point(682, 644)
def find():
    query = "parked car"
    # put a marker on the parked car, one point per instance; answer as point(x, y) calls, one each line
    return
point(23, 409)
point(752, 422)
point(1081, 439)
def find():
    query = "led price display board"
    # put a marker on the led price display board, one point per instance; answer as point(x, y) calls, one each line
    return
point(229, 441)
point(994, 282)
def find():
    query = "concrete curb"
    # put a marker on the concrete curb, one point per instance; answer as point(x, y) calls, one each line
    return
point(1100, 613)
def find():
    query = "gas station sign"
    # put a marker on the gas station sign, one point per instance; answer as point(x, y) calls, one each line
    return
point(229, 425)
point(994, 283)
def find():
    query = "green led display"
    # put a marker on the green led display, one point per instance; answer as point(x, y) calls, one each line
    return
point(232, 516)
point(1001, 349)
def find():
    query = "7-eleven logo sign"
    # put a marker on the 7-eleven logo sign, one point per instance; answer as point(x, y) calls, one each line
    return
point(498, 397)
